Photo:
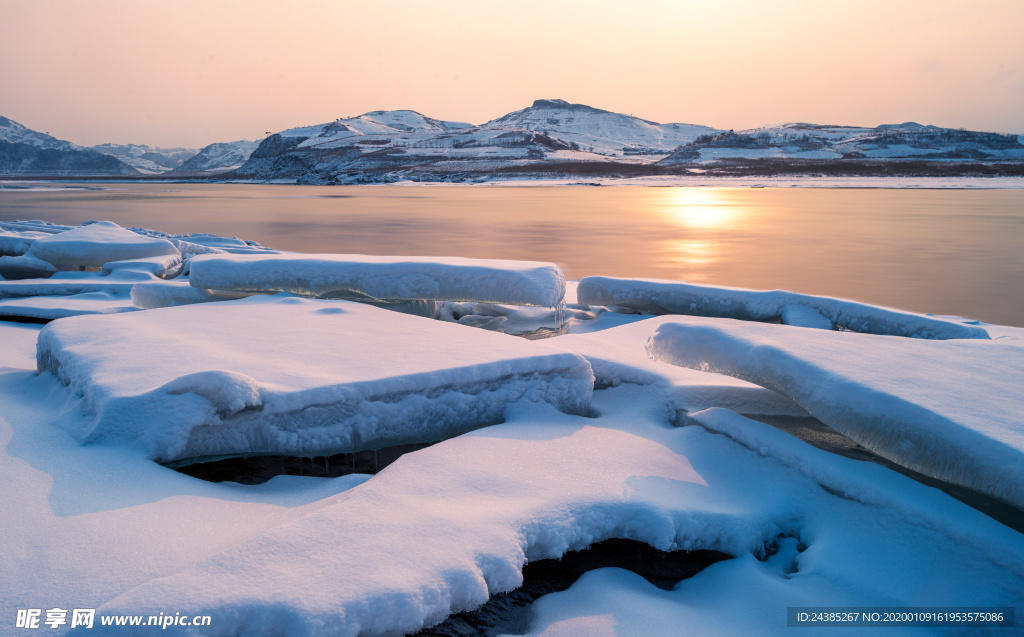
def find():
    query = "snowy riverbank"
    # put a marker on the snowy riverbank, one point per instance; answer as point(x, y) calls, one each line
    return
point(616, 424)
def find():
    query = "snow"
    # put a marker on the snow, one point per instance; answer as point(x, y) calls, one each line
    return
point(464, 515)
point(657, 452)
point(83, 524)
point(19, 351)
point(12, 131)
point(915, 402)
point(384, 278)
point(162, 266)
point(672, 297)
point(844, 563)
point(34, 225)
point(147, 159)
point(153, 294)
point(604, 130)
point(25, 267)
point(617, 356)
point(219, 157)
point(97, 243)
point(295, 376)
point(54, 307)
point(16, 243)
point(67, 283)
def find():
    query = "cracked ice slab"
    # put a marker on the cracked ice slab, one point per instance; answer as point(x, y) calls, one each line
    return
point(444, 528)
point(150, 295)
point(948, 409)
point(617, 356)
point(55, 307)
point(119, 281)
point(295, 376)
point(384, 278)
point(673, 297)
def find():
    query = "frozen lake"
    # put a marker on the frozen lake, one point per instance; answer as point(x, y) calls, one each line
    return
point(938, 251)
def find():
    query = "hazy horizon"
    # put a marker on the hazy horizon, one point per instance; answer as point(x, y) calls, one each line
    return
point(191, 73)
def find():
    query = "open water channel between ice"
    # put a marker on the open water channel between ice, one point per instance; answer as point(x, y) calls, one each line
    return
point(936, 251)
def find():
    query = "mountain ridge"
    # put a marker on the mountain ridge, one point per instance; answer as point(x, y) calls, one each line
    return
point(552, 137)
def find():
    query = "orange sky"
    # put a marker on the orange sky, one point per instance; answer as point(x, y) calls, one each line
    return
point(190, 73)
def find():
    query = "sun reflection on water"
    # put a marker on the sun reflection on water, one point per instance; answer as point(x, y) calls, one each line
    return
point(700, 208)
point(701, 220)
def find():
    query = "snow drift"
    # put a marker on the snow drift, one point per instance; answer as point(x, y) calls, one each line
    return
point(948, 409)
point(672, 297)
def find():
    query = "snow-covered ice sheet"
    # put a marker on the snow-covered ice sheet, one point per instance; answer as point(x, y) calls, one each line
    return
point(68, 283)
point(95, 244)
point(17, 242)
point(150, 295)
point(877, 549)
point(82, 524)
point(25, 267)
point(674, 297)
point(296, 376)
point(54, 307)
point(953, 410)
point(34, 225)
point(508, 319)
point(384, 278)
point(618, 356)
point(163, 266)
point(443, 529)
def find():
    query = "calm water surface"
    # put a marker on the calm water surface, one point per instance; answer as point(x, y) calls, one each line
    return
point(940, 251)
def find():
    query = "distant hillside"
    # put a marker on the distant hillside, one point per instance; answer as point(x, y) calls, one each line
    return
point(147, 159)
point(218, 158)
point(908, 141)
point(598, 130)
point(551, 138)
point(12, 131)
point(28, 160)
point(389, 145)
point(556, 138)
point(24, 151)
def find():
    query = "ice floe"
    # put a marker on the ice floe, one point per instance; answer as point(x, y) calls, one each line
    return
point(17, 242)
point(68, 283)
point(618, 357)
point(384, 278)
point(25, 267)
point(149, 295)
point(295, 376)
point(164, 266)
point(56, 306)
point(674, 297)
point(949, 409)
point(97, 243)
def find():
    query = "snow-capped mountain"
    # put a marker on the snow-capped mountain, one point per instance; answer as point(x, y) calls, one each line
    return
point(550, 137)
point(218, 158)
point(147, 159)
point(908, 141)
point(362, 148)
point(602, 131)
point(24, 151)
point(554, 136)
point(12, 131)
